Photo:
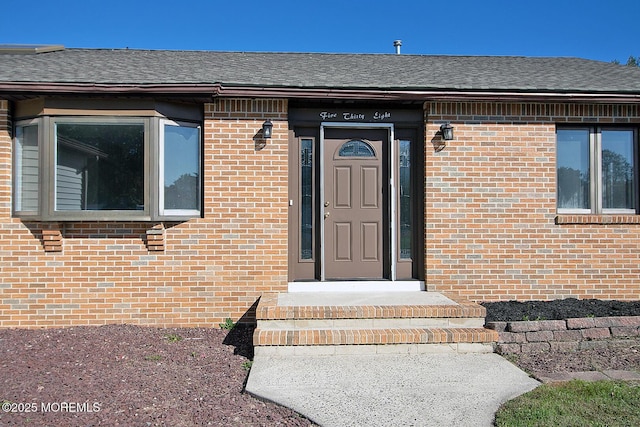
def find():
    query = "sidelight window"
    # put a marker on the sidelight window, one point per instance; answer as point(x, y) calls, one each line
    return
point(404, 193)
point(306, 199)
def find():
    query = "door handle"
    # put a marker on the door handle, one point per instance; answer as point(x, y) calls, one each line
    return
point(326, 215)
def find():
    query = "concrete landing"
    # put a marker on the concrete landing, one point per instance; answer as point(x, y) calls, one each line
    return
point(362, 299)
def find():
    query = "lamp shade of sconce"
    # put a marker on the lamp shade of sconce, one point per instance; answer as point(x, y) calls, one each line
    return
point(447, 131)
point(267, 127)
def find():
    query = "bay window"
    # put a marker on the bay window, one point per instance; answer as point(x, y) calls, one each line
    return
point(597, 170)
point(106, 168)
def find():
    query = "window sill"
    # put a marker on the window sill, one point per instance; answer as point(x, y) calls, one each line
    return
point(106, 218)
point(598, 219)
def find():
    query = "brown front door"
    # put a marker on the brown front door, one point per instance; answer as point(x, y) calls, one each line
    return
point(353, 204)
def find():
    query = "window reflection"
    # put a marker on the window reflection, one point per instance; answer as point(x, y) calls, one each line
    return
point(617, 170)
point(99, 166)
point(573, 169)
point(181, 167)
point(27, 168)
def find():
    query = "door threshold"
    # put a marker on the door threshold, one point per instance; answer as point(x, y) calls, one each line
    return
point(358, 286)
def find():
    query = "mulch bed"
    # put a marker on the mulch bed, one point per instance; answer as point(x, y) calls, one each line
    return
point(123, 375)
point(568, 308)
point(602, 355)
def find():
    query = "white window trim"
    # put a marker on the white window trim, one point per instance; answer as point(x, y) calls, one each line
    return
point(161, 157)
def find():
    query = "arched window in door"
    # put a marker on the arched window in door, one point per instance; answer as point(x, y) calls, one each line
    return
point(356, 148)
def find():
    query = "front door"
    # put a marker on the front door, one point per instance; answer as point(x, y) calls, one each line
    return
point(354, 203)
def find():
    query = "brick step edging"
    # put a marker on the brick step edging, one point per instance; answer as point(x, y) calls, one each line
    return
point(563, 335)
point(314, 337)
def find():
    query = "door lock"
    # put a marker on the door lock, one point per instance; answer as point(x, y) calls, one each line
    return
point(326, 204)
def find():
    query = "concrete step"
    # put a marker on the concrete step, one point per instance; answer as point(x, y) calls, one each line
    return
point(351, 322)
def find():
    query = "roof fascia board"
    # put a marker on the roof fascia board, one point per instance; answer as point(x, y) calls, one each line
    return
point(88, 88)
point(425, 95)
point(217, 90)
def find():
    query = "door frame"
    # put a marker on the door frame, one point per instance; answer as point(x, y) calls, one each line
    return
point(387, 181)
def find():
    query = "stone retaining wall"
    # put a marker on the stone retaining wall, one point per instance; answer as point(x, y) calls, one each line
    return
point(563, 335)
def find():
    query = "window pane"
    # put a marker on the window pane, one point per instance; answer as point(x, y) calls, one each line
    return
point(573, 169)
point(306, 213)
point(405, 199)
point(356, 148)
point(181, 167)
point(617, 170)
point(99, 166)
point(26, 164)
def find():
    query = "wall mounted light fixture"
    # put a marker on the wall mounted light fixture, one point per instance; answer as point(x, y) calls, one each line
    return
point(447, 132)
point(267, 127)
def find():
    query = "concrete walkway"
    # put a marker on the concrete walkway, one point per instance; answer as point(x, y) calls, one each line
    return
point(390, 390)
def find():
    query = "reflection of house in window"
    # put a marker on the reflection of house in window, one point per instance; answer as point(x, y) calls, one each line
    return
point(99, 166)
point(77, 167)
point(27, 168)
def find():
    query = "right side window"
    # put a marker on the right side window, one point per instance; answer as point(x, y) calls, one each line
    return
point(179, 168)
point(597, 170)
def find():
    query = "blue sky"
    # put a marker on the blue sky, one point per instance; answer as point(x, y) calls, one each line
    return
point(596, 29)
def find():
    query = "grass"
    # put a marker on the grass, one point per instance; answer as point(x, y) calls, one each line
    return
point(173, 337)
point(574, 403)
point(153, 358)
point(228, 324)
point(527, 319)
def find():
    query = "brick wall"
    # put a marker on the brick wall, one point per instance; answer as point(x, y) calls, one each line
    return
point(492, 232)
point(5, 159)
point(210, 269)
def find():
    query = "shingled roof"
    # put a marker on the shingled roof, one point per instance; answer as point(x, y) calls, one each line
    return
point(418, 74)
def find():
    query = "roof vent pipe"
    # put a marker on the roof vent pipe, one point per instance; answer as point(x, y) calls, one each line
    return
point(397, 44)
